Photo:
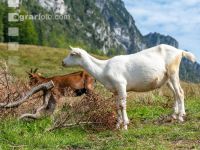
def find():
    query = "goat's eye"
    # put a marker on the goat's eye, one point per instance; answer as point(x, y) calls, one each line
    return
point(72, 54)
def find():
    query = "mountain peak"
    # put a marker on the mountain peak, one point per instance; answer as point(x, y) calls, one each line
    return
point(155, 38)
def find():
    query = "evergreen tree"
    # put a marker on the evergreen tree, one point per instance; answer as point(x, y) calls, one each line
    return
point(1, 21)
point(27, 32)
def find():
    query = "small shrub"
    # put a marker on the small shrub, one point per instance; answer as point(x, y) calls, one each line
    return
point(91, 110)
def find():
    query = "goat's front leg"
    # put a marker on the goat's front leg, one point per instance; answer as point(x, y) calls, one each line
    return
point(119, 113)
point(124, 113)
point(122, 99)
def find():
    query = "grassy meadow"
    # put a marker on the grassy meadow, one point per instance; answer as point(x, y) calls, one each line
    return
point(149, 113)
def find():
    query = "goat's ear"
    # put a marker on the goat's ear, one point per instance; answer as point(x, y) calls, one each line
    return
point(39, 74)
point(76, 53)
point(35, 70)
point(29, 74)
point(70, 47)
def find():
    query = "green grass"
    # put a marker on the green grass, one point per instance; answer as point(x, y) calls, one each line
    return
point(145, 130)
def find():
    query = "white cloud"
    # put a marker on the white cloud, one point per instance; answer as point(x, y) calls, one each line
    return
point(179, 19)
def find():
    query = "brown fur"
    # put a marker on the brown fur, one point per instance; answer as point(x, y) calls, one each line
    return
point(80, 82)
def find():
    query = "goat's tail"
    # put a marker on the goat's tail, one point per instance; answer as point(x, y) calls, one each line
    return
point(189, 56)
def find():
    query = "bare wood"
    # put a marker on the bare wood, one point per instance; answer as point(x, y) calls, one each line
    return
point(44, 87)
point(38, 113)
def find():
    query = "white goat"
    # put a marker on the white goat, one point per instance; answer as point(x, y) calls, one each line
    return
point(144, 71)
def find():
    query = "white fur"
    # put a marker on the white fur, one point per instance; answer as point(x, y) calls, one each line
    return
point(140, 72)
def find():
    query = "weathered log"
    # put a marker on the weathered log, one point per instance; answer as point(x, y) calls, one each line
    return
point(42, 87)
point(38, 114)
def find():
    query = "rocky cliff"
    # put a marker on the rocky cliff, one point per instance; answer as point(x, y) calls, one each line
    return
point(153, 39)
point(101, 24)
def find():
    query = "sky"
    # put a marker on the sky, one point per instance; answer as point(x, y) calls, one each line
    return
point(177, 18)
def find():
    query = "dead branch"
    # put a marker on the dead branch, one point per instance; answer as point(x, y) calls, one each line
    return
point(47, 95)
point(42, 87)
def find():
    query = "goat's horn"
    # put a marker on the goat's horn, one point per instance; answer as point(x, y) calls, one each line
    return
point(31, 70)
point(35, 70)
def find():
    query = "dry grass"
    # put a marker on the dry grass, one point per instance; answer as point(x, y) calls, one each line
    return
point(90, 109)
point(11, 89)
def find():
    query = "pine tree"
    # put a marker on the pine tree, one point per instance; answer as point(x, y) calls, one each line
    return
point(27, 32)
point(1, 22)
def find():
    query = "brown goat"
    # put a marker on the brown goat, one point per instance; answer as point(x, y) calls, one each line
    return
point(80, 82)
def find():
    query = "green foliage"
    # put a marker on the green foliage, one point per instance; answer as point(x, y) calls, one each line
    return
point(27, 32)
point(7, 24)
point(2, 10)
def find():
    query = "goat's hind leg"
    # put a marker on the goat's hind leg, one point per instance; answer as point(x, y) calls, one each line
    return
point(170, 86)
point(180, 96)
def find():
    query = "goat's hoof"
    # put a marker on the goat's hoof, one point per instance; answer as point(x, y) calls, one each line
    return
point(174, 116)
point(184, 114)
point(125, 127)
point(117, 126)
point(180, 118)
